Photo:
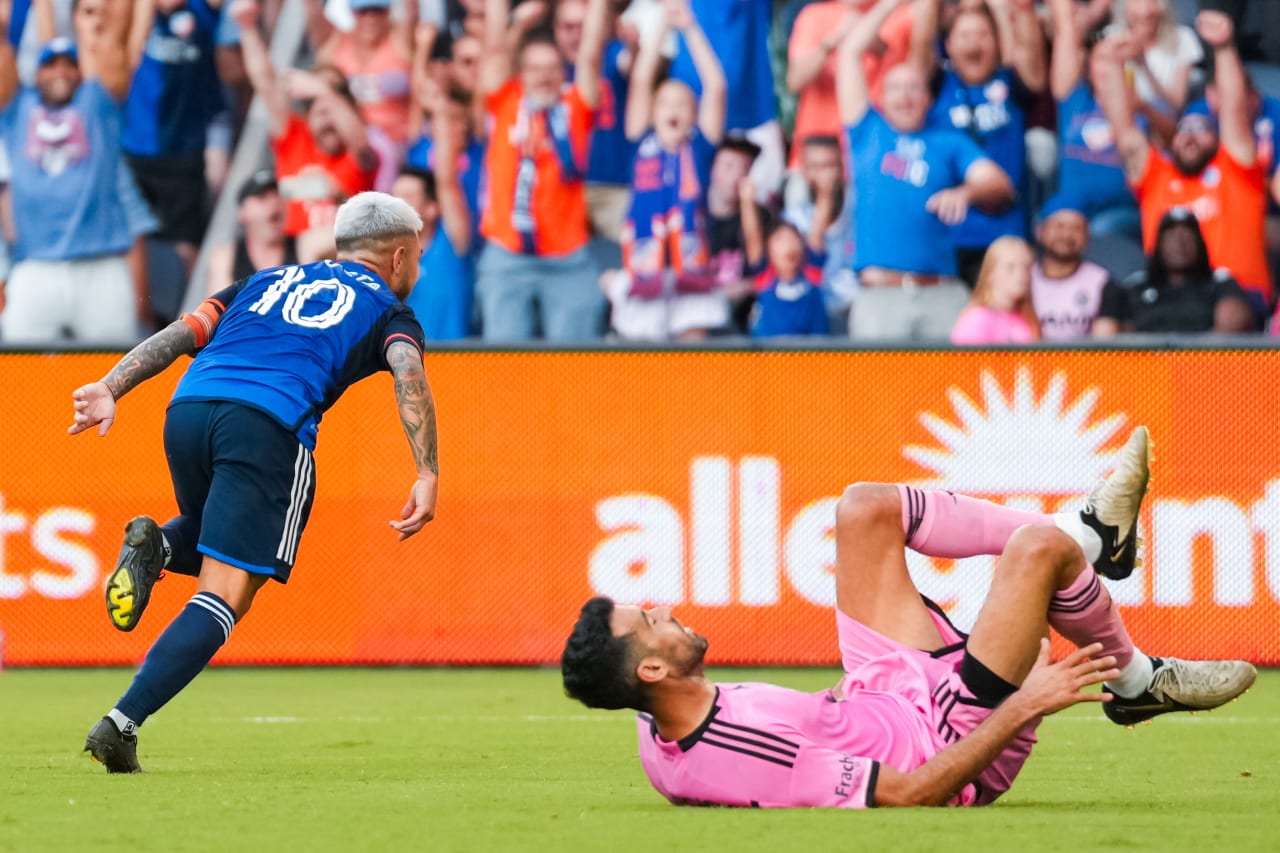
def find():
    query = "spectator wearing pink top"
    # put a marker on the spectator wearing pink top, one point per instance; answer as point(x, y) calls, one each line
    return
point(1000, 311)
point(1066, 290)
point(376, 56)
point(811, 63)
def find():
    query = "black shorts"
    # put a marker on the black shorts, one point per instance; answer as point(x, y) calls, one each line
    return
point(246, 480)
point(175, 190)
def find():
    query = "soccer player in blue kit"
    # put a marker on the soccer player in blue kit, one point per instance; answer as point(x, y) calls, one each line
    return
point(272, 353)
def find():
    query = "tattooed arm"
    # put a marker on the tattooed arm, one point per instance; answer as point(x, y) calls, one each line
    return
point(418, 417)
point(95, 403)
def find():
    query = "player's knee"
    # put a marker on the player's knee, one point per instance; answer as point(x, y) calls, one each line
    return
point(1038, 547)
point(866, 504)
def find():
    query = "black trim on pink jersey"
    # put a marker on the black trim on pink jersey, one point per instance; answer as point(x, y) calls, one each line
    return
point(915, 511)
point(932, 605)
point(735, 738)
point(686, 743)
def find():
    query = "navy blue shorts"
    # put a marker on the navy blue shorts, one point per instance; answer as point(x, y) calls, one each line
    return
point(243, 480)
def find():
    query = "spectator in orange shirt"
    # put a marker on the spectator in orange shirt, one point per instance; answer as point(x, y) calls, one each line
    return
point(1212, 167)
point(811, 63)
point(322, 159)
point(535, 270)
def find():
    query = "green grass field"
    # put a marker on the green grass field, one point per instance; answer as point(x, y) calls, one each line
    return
point(484, 760)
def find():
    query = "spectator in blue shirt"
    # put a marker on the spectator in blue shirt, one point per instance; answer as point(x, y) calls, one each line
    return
point(1089, 163)
point(788, 268)
point(444, 296)
point(70, 280)
point(987, 96)
point(173, 99)
point(912, 182)
point(739, 34)
point(443, 94)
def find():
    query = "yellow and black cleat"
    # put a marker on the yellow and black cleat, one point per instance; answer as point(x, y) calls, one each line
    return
point(137, 570)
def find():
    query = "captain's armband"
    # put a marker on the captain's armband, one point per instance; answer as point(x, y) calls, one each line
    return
point(204, 320)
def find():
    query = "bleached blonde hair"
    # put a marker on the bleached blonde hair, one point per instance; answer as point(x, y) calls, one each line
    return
point(372, 217)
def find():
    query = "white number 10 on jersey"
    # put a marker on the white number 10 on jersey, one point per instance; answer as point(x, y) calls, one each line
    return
point(300, 292)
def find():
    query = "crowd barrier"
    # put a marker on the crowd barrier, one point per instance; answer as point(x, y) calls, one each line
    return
point(705, 480)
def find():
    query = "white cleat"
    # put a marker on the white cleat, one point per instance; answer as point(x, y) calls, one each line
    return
point(1183, 685)
point(1112, 510)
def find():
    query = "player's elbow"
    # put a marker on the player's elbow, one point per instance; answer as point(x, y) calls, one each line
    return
point(991, 187)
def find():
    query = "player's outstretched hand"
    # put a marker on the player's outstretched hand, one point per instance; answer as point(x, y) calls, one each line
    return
point(419, 509)
point(94, 407)
point(1050, 687)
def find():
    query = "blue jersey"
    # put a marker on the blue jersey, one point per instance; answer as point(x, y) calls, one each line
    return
point(1089, 163)
point(791, 307)
point(894, 176)
point(611, 151)
point(739, 32)
point(442, 298)
point(993, 114)
point(175, 91)
point(293, 338)
point(65, 162)
point(470, 170)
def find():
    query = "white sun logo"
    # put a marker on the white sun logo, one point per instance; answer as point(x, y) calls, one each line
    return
point(1018, 444)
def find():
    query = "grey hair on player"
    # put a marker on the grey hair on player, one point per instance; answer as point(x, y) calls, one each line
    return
point(373, 218)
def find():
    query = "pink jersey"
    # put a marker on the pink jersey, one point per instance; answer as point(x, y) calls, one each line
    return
point(1066, 306)
point(766, 746)
point(978, 324)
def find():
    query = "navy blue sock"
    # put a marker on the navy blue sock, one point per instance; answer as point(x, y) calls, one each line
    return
point(178, 655)
point(182, 533)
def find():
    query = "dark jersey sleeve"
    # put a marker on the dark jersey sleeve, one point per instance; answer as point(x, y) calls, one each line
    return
point(400, 324)
point(228, 295)
point(369, 354)
point(1115, 303)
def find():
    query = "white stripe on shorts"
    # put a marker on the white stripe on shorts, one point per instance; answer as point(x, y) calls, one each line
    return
point(288, 548)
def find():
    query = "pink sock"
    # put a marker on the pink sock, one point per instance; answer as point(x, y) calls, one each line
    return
point(1084, 614)
point(944, 524)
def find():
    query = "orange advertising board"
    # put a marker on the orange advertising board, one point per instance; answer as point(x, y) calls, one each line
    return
point(705, 480)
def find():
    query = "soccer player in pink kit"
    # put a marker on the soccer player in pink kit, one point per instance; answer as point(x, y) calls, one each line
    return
point(924, 714)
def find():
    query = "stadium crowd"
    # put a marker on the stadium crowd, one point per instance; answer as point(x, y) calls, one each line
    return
point(983, 171)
